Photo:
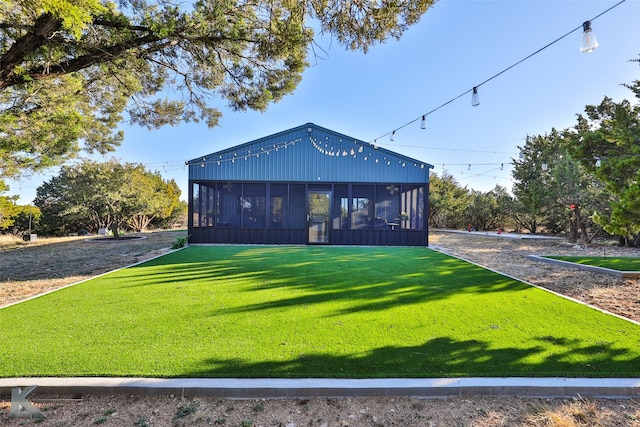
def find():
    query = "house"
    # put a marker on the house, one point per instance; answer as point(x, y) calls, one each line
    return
point(308, 185)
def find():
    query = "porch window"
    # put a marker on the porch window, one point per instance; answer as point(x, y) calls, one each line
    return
point(362, 207)
point(412, 208)
point(388, 206)
point(227, 204)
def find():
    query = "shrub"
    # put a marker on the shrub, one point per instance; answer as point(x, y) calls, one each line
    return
point(180, 242)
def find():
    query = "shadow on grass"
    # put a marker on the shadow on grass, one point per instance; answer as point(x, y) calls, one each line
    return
point(370, 279)
point(440, 357)
point(322, 312)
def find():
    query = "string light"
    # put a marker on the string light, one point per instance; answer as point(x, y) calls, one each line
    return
point(589, 42)
point(423, 124)
point(465, 175)
point(474, 90)
point(366, 154)
point(232, 158)
point(475, 98)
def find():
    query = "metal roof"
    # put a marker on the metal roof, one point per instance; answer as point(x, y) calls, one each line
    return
point(308, 153)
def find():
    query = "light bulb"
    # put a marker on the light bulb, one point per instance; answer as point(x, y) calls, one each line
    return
point(393, 136)
point(423, 124)
point(589, 42)
point(598, 162)
point(475, 98)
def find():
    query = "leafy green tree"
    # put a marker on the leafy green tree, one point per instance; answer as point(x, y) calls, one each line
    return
point(606, 141)
point(554, 191)
point(177, 217)
point(56, 220)
point(576, 196)
point(69, 69)
point(490, 210)
point(447, 201)
point(106, 195)
point(157, 199)
point(531, 172)
point(26, 218)
point(8, 209)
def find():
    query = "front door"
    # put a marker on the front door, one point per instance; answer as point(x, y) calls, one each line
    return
point(318, 216)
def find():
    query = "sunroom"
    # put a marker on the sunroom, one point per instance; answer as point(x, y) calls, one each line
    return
point(308, 185)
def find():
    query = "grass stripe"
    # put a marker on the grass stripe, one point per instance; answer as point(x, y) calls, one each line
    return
point(613, 263)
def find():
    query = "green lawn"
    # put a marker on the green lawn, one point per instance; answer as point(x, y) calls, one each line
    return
point(613, 263)
point(346, 312)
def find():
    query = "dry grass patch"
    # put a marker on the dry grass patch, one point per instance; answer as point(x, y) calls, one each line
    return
point(579, 412)
point(28, 269)
point(9, 240)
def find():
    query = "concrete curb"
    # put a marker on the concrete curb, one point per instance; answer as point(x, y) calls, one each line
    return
point(314, 387)
point(591, 268)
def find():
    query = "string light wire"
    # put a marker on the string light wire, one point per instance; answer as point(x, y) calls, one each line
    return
point(421, 116)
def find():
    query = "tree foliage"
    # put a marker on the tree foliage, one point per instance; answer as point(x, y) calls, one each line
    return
point(177, 217)
point(575, 196)
point(553, 191)
point(106, 195)
point(606, 141)
point(25, 219)
point(447, 201)
point(15, 218)
point(8, 211)
point(490, 210)
point(531, 175)
point(156, 199)
point(70, 69)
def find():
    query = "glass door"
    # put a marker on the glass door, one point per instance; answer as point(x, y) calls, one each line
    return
point(318, 216)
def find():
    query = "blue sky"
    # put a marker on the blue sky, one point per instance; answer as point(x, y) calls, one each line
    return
point(457, 45)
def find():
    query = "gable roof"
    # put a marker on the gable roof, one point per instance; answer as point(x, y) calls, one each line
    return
point(308, 153)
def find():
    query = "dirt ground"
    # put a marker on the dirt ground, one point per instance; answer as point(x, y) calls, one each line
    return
point(31, 269)
point(34, 268)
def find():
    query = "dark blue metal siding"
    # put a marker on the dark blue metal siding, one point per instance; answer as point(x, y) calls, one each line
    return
point(308, 153)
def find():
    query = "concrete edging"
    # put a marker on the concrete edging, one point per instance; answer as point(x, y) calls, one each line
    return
point(591, 268)
point(260, 388)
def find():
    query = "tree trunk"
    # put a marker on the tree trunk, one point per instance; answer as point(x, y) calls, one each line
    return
point(581, 224)
point(44, 26)
point(114, 230)
point(593, 235)
point(573, 229)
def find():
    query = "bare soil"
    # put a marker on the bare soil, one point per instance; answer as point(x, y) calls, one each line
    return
point(31, 269)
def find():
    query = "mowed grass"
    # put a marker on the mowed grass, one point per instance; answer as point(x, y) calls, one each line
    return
point(613, 263)
point(341, 312)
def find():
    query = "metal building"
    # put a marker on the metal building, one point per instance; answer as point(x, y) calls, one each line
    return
point(308, 185)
